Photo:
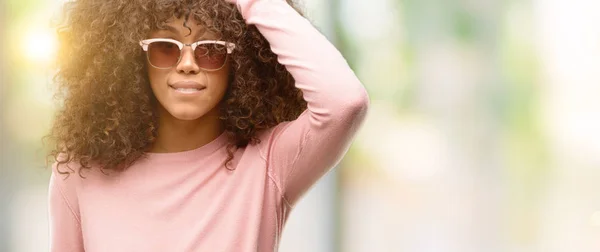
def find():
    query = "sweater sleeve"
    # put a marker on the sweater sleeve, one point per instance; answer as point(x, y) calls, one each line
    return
point(302, 151)
point(65, 226)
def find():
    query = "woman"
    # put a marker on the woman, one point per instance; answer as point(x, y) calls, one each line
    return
point(192, 125)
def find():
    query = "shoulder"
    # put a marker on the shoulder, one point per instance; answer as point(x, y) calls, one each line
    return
point(64, 184)
point(68, 175)
point(65, 176)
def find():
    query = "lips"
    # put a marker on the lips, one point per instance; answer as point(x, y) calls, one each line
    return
point(187, 86)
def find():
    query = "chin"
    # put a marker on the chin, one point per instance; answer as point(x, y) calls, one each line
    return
point(187, 114)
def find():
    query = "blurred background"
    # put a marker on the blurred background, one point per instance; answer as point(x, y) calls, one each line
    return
point(483, 132)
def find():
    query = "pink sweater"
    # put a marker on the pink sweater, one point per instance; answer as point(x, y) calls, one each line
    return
point(188, 201)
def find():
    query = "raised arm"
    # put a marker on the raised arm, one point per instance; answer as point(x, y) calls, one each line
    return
point(302, 151)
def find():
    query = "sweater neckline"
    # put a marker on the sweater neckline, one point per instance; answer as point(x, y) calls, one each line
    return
point(196, 153)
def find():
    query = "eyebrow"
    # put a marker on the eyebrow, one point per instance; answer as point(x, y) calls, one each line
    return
point(170, 28)
point(203, 33)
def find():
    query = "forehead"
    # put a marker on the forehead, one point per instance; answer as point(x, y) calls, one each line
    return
point(182, 28)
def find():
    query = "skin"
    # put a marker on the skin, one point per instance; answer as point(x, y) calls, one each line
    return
point(187, 122)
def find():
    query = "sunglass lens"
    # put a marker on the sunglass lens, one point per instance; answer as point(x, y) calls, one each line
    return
point(163, 54)
point(211, 56)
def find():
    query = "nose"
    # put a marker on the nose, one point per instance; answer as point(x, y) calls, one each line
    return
point(187, 63)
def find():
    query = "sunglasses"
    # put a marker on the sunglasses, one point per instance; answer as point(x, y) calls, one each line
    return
point(164, 53)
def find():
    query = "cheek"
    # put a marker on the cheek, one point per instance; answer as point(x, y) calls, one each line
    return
point(158, 83)
point(156, 77)
point(220, 80)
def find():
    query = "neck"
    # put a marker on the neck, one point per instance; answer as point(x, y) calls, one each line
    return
point(175, 135)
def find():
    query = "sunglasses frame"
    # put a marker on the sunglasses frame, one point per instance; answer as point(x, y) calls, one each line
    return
point(146, 42)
